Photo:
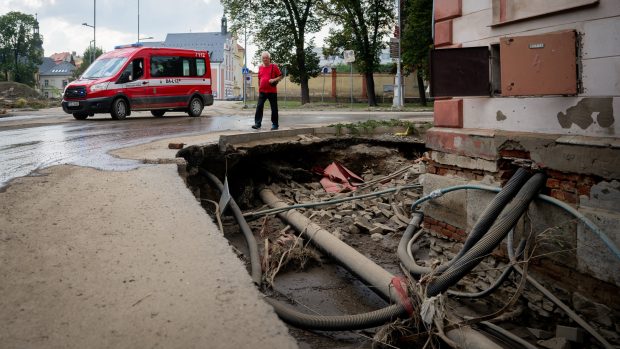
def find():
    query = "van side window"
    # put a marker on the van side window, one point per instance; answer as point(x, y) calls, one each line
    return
point(186, 65)
point(138, 68)
point(163, 66)
point(200, 66)
point(166, 66)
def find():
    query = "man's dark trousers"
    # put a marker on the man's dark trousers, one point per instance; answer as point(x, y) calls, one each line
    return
point(273, 101)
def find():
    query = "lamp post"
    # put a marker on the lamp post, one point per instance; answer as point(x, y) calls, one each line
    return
point(92, 52)
point(138, 20)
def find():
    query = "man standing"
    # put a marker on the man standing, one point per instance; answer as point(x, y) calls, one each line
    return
point(268, 77)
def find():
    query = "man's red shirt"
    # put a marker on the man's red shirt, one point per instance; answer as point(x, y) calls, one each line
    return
point(264, 74)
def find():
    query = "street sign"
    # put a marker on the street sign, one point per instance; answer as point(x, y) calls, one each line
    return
point(245, 70)
point(248, 78)
point(325, 70)
point(349, 56)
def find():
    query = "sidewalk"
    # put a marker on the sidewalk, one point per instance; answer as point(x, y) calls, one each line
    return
point(93, 259)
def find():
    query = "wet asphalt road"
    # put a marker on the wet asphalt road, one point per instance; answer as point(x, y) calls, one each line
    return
point(34, 140)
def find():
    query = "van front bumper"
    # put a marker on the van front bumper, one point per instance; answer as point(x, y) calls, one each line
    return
point(88, 106)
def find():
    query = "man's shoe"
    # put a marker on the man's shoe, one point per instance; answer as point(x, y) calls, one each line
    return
point(273, 128)
point(256, 127)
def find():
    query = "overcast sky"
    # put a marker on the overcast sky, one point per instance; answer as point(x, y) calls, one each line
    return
point(61, 21)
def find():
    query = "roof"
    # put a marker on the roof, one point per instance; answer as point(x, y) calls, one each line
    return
point(212, 42)
point(62, 56)
point(51, 68)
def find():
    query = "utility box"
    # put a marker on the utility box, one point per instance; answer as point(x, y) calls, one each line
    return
point(539, 64)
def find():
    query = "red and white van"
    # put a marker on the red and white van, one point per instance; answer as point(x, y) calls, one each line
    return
point(133, 77)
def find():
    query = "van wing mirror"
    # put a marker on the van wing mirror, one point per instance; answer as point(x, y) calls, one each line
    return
point(124, 77)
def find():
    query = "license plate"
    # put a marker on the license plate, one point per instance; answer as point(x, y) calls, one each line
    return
point(74, 104)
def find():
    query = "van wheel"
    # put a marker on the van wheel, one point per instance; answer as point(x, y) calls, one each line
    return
point(120, 110)
point(80, 116)
point(158, 113)
point(195, 107)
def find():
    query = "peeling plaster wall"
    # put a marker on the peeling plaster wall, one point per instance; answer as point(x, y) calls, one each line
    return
point(588, 116)
point(594, 112)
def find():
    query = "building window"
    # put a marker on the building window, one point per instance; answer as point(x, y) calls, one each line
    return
point(47, 83)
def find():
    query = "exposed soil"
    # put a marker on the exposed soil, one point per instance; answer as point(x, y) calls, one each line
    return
point(296, 272)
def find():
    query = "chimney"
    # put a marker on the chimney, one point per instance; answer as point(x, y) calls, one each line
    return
point(224, 26)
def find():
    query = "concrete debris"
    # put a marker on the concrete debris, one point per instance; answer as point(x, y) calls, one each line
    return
point(539, 334)
point(594, 311)
point(572, 334)
point(555, 343)
point(376, 237)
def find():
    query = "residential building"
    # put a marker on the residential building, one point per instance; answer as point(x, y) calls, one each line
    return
point(226, 55)
point(536, 84)
point(54, 75)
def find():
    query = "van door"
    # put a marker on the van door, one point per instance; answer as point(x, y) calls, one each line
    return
point(137, 88)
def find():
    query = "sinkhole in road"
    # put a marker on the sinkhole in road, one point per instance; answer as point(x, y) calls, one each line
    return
point(294, 270)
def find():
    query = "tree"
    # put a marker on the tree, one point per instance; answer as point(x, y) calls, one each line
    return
point(87, 60)
point(282, 28)
point(20, 47)
point(361, 26)
point(417, 40)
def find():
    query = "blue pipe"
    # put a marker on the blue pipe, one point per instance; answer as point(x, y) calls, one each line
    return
point(588, 223)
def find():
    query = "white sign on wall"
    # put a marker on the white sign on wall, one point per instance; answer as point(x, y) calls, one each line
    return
point(349, 56)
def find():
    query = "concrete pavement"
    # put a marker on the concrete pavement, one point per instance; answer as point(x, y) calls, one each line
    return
point(92, 259)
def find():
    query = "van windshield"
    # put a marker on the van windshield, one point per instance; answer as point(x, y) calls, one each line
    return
point(103, 68)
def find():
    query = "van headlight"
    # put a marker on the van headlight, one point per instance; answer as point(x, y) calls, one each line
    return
point(99, 87)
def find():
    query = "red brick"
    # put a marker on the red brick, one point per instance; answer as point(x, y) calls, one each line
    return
point(461, 232)
point(568, 186)
point(443, 33)
point(431, 169)
point(442, 224)
point(553, 183)
point(447, 233)
point(448, 113)
point(442, 171)
point(446, 9)
point(571, 198)
point(514, 153)
point(583, 189)
point(450, 227)
point(558, 194)
point(556, 174)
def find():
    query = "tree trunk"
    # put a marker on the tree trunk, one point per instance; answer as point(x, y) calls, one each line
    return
point(421, 89)
point(370, 89)
point(305, 90)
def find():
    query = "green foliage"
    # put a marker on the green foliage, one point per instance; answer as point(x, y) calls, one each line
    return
point(21, 103)
point(368, 126)
point(20, 47)
point(417, 38)
point(361, 26)
point(282, 28)
point(87, 60)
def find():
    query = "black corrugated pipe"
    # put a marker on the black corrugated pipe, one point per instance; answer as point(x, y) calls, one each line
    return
point(486, 220)
point(499, 230)
point(257, 273)
point(337, 322)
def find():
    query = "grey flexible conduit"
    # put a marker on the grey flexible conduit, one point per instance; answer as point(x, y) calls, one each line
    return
point(487, 218)
point(338, 322)
point(257, 273)
point(484, 223)
point(497, 283)
point(499, 230)
point(329, 202)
